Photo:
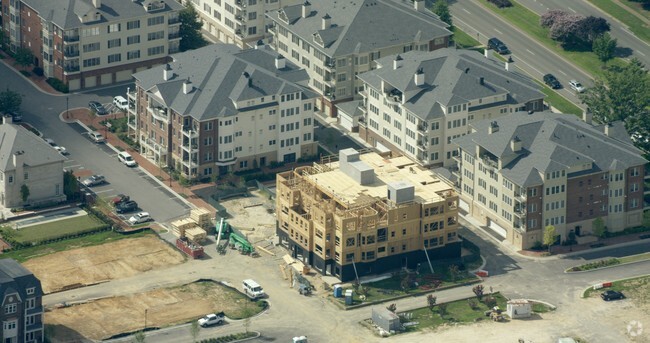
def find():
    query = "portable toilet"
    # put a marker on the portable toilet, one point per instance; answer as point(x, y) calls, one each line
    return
point(338, 291)
point(348, 297)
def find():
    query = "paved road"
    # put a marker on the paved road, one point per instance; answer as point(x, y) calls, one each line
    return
point(628, 43)
point(530, 56)
point(43, 110)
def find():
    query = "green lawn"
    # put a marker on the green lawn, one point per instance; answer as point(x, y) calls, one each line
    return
point(622, 286)
point(457, 312)
point(53, 229)
point(561, 103)
point(635, 24)
point(90, 240)
point(635, 258)
point(463, 40)
point(637, 7)
point(528, 21)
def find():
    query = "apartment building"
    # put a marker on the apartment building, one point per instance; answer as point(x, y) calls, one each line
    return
point(336, 40)
point(218, 109)
point(415, 103)
point(22, 314)
point(239, 22)
point(26, 159)
point(363, 213)
point(523, 172)
point(90, 43)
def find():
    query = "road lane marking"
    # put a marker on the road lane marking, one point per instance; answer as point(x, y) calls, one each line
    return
point(532, 53)
point(561, 72)
point(498, 31)
point(640, 53)
point(572, 10)
point(628, 31)
point(466, 11)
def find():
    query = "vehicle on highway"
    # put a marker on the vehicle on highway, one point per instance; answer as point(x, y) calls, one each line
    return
point(120, 102)
point(126, 206)
point(252, 289)
point(96, 137)
point(497, 45)
point(120, 198)
point(552, 81)
point(139, 218)
point(94, 180)
point(61, 150)
point(127, 159)
point(212, 319)
point(576, 86)
point(611, 295)
point(98, 108)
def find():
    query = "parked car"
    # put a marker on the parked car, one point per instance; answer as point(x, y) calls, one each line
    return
point(96, 137)
point(49, 141)
point(98, 108)
point(15, 115)
point(611, 295)
point(576, 86)
point(127, 159)
point(120, 198)
point(552, 81)
point(120, 103)
point(126, 206)
point(141, 217)
point(94, 180)
point(497, 45)
point(212, 319)
point(61, 150)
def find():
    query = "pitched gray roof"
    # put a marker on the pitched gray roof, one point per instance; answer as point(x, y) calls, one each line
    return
point(15, 138)
point(550, 142)
point(16, 278)
point(66, 13)
point(451, 77)
point(360, 26)
point(221, 75)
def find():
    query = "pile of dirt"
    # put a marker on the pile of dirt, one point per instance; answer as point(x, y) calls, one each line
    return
point(90, 265)
point(108, 317)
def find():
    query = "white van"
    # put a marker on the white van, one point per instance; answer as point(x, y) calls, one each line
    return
point(120, 102)
point(252, 289)
point(127, 159)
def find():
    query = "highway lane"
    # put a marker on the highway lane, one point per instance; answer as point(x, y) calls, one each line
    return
point(626, 39)
point(530, 56)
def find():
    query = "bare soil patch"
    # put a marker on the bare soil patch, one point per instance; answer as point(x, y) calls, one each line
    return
point(251, 216)
point(90, 265)
point(108, 317)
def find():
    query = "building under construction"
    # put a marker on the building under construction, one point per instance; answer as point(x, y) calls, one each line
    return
point(365, 214)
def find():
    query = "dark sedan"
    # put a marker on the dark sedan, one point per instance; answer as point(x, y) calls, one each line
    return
point(611, 295)
point(552, 81)
point(97, 108)
point(126, 206)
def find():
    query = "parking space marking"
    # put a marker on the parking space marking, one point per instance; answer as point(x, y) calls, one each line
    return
point(561, 72)
point(640, 53)
point(104, 191)
point(499, 32)
point(466, 11)
point(530, 52)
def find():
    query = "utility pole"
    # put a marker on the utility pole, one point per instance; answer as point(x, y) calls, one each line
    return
point(67, 107)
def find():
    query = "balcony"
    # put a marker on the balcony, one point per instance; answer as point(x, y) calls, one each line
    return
point(520, 196)
point(330, 64)
point(454, 169)
point(159, 113)
point(241, 3)
point(423, 128)
point(190, 132)
point(239, 33)
point(422, 144)
point(154, 147)
point(70, 39)
point(225, 162)
point(490, 161)
point(131, 95)
point(190, 147)
point(174, 35)
point(173, 21)
point(71, 69)
point(519, 226)
point(520, 211)
point(240, 18)
point(394, 97)
point(71, 53)
point(190, 162)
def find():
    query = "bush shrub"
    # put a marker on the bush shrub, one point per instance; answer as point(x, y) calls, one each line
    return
point(25, 73)
point(501, 3)
point(597, 264)
point(57, 84)
point(38, 71)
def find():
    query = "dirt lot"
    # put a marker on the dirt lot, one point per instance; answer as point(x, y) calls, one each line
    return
point(250, 215)
point(108, 317)
point(89, 265)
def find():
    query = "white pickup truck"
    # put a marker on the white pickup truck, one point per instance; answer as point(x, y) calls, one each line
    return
point(212, 319)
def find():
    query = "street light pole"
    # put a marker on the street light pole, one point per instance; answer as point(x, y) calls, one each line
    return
point(145, 319)
point(67, 107)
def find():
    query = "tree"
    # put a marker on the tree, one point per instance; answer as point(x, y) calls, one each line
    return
point(190, 30)
point(392, 308)
point(70, 185)
point(623, 94)
point(573, 30)
point(431, 301)
point(598, 227)
point(549, 236)
point(24, 57)
point(478, 290)
point(10, 101)
point(405, 284)
point(139, 337)
point(24, 192)
point(604, 47)
point(194, 330)
point(454, 272)
point(442, 309)
point(441, 9)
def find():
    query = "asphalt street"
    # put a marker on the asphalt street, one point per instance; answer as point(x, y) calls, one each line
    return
point(42, 111)
point(629, 44)
point(529, 56)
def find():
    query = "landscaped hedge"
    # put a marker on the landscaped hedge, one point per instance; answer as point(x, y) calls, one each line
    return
point(15, 245)
point(38, 71)
point(57, 84)
point(501, 3)
point(230, 338)
point(596, 265)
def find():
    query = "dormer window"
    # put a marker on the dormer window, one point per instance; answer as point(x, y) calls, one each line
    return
point(30, 290)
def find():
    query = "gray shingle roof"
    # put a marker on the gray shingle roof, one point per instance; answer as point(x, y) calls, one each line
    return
point(451, 77)
point(66, 13)
point(550, 142)
point(362, 25)
point(15, 138)
point(218, 75)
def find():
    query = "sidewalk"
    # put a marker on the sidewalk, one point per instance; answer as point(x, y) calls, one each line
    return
point(90, 120)
point(38, 81)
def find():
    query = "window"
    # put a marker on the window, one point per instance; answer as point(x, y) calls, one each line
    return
point(207, 141)
point(30, 303)
point(155, 21)
point(155, 35)
point(133, 54)
point(135, 24)
point(30, 290)
point(114, 58)
point(132, 40)
point(155, 50)
point(114, 28)
point(11, 325)
point(114, 43)
point(11, 308)
point(91, 62)
point(93, 31)
point(90, 47)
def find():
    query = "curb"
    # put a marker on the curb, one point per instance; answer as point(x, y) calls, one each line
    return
point(553, 307)
point(607, 267)
point(32, 82)
point(582, 295)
